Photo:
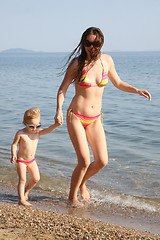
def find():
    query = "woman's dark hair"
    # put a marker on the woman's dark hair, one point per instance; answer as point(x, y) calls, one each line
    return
point(80, 52)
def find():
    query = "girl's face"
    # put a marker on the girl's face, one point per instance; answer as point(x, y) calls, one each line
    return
point(33, 124)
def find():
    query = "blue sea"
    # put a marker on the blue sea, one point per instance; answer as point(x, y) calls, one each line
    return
point(128, 187)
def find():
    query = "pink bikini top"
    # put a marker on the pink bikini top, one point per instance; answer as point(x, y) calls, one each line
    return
point(84, 81)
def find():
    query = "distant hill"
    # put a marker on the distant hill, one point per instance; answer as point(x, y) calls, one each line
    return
point(17, 50)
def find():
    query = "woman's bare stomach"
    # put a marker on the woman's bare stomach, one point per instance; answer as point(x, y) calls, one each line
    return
point(86, 107)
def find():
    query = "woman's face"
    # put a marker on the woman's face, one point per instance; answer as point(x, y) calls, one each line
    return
point(91, 45)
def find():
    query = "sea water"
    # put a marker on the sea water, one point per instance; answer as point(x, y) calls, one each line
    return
point(131, 180)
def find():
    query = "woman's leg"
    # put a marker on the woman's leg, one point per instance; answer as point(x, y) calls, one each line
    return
point(97, 140)
point(21, 170)
point(35, 177)
point(78, 137)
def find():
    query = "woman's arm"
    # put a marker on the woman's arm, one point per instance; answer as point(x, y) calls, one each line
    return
point(118, 83)
point(69, 76)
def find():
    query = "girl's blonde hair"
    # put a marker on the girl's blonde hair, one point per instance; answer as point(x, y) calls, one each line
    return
point(31, 114)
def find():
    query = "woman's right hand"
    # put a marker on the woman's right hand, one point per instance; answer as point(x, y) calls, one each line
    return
point(59, 117)
point(13, 159)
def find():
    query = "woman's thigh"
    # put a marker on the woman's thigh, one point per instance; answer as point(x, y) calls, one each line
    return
point(78, 137)
point(97, 140)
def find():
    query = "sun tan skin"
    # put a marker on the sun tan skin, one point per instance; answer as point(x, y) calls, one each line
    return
point(88, 102)
point(27, 139)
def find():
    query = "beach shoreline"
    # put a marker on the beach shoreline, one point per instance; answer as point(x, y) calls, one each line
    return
point(56, 221)
point(19, 222)
point(126, 192)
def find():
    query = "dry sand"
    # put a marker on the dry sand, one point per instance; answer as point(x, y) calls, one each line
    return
point(18, 222)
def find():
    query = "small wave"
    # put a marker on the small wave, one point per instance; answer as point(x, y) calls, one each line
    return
point(124, 201)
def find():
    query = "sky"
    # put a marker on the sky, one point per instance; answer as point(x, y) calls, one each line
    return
point(57, 25)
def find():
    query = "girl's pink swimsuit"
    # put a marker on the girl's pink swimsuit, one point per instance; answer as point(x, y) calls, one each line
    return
point(27, 162)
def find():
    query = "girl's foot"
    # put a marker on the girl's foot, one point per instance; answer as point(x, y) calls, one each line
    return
point(84, 192)
point(25, 203)
point(26, 196)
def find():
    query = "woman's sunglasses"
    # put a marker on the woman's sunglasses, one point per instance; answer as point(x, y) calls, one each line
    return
point(87, 43)
point(33, 126)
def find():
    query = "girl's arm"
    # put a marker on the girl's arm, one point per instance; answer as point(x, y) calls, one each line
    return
point(63, 89)
point(14, 147)
point(118, 83)
point(49, 129)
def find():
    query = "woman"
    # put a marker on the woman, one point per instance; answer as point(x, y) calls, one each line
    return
point(89, 71)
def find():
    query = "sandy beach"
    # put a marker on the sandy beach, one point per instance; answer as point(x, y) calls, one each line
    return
point(49, 218)
point(18, 222)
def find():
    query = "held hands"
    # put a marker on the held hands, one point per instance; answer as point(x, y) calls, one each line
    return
point(59, 118)
point(145, 94)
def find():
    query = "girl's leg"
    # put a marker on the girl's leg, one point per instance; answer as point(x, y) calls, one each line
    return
point(21, 170)
point(35, 177)
point(78, 137)
point(97, 140)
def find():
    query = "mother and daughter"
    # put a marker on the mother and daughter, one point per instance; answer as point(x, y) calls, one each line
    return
point(89, 69)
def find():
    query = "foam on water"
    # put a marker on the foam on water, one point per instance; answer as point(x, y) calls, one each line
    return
point(124, 201)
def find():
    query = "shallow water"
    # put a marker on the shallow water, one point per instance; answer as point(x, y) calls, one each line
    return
point(131, 178)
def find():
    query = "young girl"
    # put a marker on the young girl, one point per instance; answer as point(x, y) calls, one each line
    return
point(27, 140)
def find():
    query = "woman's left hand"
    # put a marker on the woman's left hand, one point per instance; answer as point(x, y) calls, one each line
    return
point(145, 94)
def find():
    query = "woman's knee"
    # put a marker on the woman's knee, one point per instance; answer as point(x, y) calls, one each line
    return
point(102, 162)
point(84, 163)
point(105, 162)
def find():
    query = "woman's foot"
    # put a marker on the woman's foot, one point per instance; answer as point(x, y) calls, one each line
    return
point(25, 203)
point(84, 192)
point(75, 203)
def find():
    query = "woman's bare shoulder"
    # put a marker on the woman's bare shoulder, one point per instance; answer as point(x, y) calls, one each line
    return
point(106, 57)
point(74, 63)
point(108, 61)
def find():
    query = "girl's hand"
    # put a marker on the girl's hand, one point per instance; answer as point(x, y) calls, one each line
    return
point(145, 94)
point(59, 118)
point(13, 159)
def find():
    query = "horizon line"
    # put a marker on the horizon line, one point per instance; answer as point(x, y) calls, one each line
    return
point(24, 50)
